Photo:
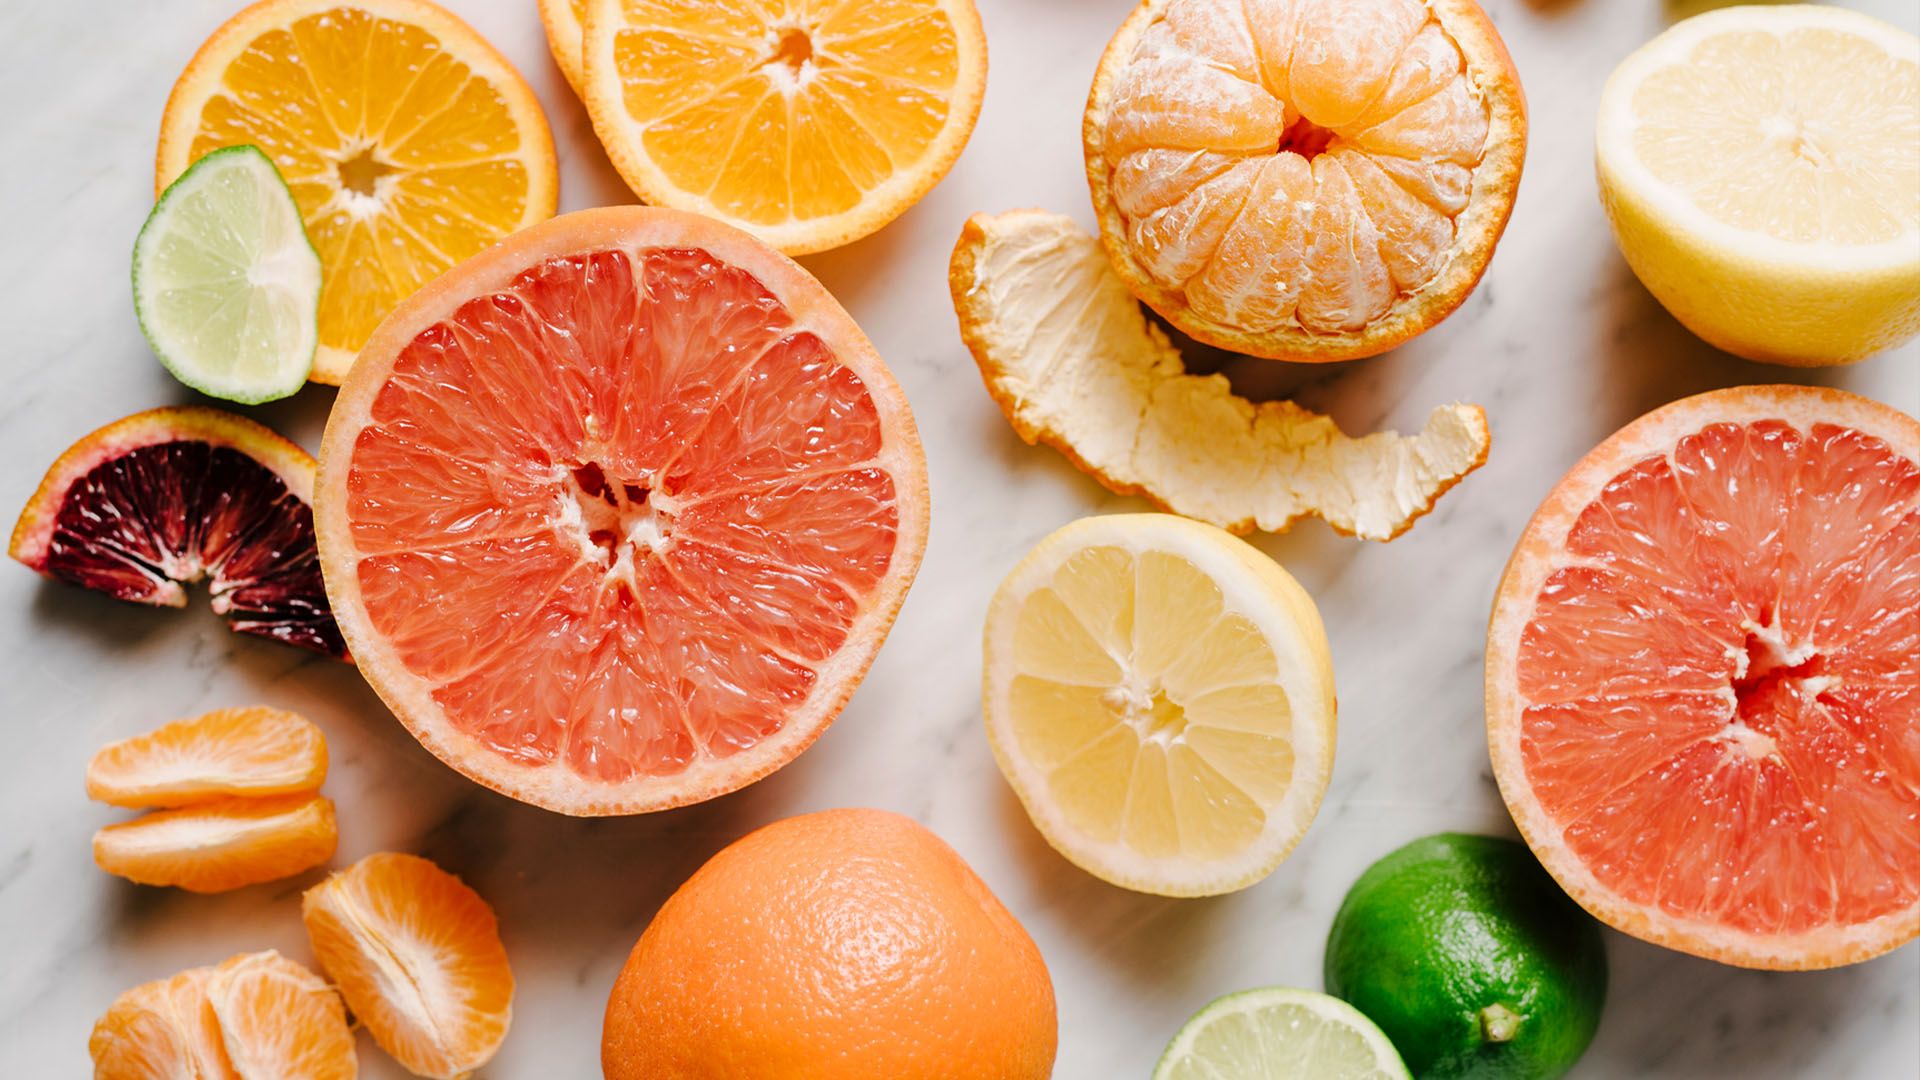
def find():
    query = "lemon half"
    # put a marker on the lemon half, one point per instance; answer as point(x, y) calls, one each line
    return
point(1160, 695)
point(1761, 167)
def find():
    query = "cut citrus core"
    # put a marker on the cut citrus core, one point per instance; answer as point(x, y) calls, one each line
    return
point(1703, 678)
point(1160, 696)
point(149, 504)
point(1304, 179)
point(408, 142)
point(809, 125)
point(617, 514)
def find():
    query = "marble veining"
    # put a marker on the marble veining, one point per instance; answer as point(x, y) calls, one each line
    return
point(1560, 344)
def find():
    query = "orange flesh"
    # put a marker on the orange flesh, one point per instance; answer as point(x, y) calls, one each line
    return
point(635, 477)
point(1291, 163)
point(1722, 684)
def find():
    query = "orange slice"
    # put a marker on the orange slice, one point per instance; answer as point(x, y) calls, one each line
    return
point(161, 1030)
point(617, 514)
point(417, 955)
point(279, 1021)
point(1304, 179)
point(565, 23)
point(809, 125)
point(222, 845)
point(228, 752)
point(1703, 678)
point(408, 142)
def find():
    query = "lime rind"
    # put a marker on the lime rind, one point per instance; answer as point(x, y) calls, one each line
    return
point(1278, 1033)
point(226, 284)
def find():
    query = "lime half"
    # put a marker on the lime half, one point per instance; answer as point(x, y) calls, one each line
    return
point(1279, 1034)
point(225, 283)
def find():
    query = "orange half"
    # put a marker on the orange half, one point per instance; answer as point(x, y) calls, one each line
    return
point(1304, 179)
point(407, 140)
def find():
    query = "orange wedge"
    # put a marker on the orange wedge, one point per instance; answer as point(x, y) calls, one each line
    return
point(228, 752)
point(565, 21)
point(280, 1020)
point(417, 955)
point(408, 142)
point(808, 125)
point(161, 1030)
point(222, 845)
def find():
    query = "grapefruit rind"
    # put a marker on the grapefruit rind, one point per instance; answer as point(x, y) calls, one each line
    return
point(200, 81)
point(1541, 550)
point(1106, 388)
point(33, 532)
point(811, 308)
point(604, 95)
point(1477, 228)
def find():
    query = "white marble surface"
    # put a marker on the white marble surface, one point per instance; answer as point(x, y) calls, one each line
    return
point(1560, 344)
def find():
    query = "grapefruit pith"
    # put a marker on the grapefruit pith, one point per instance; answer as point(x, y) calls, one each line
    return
point(1703, 678)
point(620, 511)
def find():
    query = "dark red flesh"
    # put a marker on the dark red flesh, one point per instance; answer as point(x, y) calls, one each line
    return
point(138, 526)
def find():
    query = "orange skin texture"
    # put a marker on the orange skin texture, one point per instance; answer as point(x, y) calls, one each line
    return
point(847, 944)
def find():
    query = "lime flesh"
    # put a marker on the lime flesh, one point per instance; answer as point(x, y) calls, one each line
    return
point(1279, 1033)
point(1471, 959)
point(225, 283)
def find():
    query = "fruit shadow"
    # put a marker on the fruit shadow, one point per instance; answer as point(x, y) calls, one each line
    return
point(1158, 944)
point(1677, 1015)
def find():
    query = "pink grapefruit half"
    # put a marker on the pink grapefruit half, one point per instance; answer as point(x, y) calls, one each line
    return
point(1703, 678)
point(616, 514)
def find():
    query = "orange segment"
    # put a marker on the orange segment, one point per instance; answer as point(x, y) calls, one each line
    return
point(621, 510)
point(408, 142)
point(1700, 674)
point(228, 752)
point(808, 125)
point(162, 1030)
point(280, 1020)
point(222, 845)
point(1289, 177)
point(417, 955)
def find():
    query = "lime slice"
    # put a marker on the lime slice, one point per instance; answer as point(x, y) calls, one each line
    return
point(225, 284)
point(1279, 1033)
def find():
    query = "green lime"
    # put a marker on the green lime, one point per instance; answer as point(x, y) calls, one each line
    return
point(1279, 1033)
point(225, 283)
point(1471, 959)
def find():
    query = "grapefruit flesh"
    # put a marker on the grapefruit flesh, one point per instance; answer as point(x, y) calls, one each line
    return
point(1704, 678)
point(620, 511)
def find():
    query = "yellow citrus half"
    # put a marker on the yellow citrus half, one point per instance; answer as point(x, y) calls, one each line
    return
point(1160, 695)
point(1304, 179)
point(408, 142)
point(809, 125)
point(1761, 167)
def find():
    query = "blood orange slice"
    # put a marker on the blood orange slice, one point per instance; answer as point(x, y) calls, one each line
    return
point(616, 514)
point(163, 498)
point(1703, 678)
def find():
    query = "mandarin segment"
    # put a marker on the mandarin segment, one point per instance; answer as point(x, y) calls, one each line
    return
point(1292, 179)
point(218, 846)
point(277, 1019)
point(161, 1030)
point(255, 751)
point(408, 142)
point(1685, 703)
point(416, 953)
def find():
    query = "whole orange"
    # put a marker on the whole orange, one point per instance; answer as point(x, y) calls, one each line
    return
point(844, 944)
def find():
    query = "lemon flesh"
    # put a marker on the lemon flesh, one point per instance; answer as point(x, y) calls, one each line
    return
point(1280, 1032)
point(1159, 694)
point(1761, 168)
